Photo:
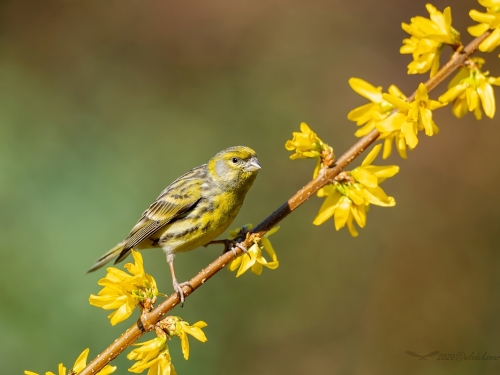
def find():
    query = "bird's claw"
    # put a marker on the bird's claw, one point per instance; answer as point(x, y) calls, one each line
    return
point(233, 249)
point(178, 289)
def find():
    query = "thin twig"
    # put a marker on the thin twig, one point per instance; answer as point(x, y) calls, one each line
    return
point(147, 321)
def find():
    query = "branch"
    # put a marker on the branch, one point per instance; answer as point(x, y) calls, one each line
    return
point(147, 321)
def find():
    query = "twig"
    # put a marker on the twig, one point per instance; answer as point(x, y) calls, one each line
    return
point(147, 321)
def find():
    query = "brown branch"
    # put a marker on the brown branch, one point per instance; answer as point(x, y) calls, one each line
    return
point(147, 321)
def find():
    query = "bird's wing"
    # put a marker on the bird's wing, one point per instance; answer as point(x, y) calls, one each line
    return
point(175, 201)
point(412, 354)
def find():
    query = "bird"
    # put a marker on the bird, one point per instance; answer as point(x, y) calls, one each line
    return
point(422, 357)
point(193, 210)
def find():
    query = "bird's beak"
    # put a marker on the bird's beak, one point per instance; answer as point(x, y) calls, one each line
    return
point(252, 165)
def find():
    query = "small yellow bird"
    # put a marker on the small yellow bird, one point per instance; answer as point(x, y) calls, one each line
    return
point(193, 210)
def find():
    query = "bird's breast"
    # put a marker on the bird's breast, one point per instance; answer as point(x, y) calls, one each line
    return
point(208, 220)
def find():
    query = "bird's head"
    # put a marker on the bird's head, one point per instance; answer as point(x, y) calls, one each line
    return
point(234, 167)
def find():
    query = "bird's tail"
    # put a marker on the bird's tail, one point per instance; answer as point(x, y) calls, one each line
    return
point(113, 253)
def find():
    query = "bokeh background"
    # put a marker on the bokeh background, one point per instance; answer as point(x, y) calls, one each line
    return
point(102, 104)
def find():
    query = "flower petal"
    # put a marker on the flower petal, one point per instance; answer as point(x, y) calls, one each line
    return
point(401, 146)
point(351, 227)
point(491, 42)
point(453, 93)
point(354, 193)
point(372, 155)
point(409, 132)
point(400, 104)
point(327, 208)
point(481, 17)
point(108, 369)
point(363, 176)
point(235, 263)
point(195, 330)
point(392, 123)
point(362, 114)
point(378, 197)
point(485, 92)
point(387, 148)
point(383, 172)
point(248, 259)
point(365, 89)
point(81, 361)
point(257, 268)
point(478, 29)
point(342, 213)
point(184, 345)
point(359, 214)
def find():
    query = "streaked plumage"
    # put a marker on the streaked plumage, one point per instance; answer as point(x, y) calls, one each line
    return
point(193, 210)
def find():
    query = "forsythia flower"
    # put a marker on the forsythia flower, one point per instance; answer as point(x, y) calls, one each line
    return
point(348, 200)
point(155, 355)
point(195, 331)
point(425, 52)
point(152, 354)
point(411, 117)
point(307, 144)
point(372, 113)
point(175, 326)
point(488, 20)
point(368, 114)
point(79, 365)
point(253, 258)
point(427, 38)
point(123, 291)
point(469, 87)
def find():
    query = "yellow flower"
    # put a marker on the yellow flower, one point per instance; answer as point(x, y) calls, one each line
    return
point(79, 365)
point(411, 117)
point(195, 331)
point(152, 354)
point(175, 326)
point(368, 114)
point(427, 38)
point(347, 200)
point(307, 144)
point(437, 28)
point(426, 53)
point(470, 87)
point(490, 3)
point(253, 259)
point(372, 113)
point(124, 292)
point(488, 20)
point(393, 137)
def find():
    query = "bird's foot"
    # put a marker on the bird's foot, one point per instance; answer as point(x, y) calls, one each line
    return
point(186, 283)
point(231, 245)
point(178, 289)
point(233, 249)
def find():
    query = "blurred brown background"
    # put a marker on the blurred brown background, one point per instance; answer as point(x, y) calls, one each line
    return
point(102, 104)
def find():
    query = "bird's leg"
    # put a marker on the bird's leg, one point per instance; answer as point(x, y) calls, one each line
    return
point(176, 285)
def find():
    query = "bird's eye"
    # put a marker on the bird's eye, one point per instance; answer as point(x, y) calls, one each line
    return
point(234, 160)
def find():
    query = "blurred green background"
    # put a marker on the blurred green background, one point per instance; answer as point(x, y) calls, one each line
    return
point(103, 104)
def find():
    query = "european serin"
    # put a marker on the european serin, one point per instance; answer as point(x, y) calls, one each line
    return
point(193, 210)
